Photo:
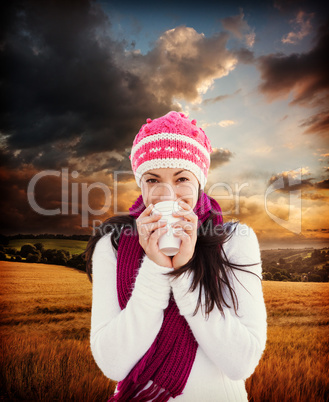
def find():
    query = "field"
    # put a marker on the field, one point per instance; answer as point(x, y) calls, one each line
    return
point(73, 246)
point(45, 353)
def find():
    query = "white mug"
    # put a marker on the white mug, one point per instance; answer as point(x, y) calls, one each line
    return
point(168, 243)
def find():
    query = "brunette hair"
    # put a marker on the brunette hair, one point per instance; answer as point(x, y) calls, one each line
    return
point(209, 263)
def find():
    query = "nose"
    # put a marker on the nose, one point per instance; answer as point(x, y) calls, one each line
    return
point(165, 192)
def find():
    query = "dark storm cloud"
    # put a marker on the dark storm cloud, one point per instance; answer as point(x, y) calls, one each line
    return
point(318, 123)
point(219, 157)
point(62, 83)
point(306, 75)
point(289, 6)
point(324, 184)
point(285, 182)
point(72, 96)
point(219, 98)
point(30, 215)
point(71, 91)
point(245, 56)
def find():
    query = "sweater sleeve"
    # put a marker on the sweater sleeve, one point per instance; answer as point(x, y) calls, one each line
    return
point(233, 342)
point(119, 338)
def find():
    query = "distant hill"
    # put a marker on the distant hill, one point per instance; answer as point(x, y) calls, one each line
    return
point(295, 265)
point(286, 253)
point(71, 245)
point(44, 236)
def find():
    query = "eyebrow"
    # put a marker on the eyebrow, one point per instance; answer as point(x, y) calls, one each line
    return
point(175, 174)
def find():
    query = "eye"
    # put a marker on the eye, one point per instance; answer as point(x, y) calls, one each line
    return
point(150, 180)
point(183, 179)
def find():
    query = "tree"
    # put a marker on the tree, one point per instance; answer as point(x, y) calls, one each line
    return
point(49, 255)
point(27, 249)
point(33, 258)
point(10, 250)
point(277, 276)
point(60, 258)
point(77, 262)
point(39, 246)
point(295, 277)
point(267, 276)
point(314, 278)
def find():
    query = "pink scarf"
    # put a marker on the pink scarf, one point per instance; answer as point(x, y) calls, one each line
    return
point(169, 360)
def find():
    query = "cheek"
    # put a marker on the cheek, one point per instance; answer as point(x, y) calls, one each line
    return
point(190, 191)
point(145, 194)
point(152, 192)
point(190, 188)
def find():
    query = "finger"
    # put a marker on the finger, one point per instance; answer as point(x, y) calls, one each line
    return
point(186, 211)
point(148, 214)
point(143, 232)
point(185, 206)
point(141, 220)
point(144, 214)
point(150, 227)
point(146, 211)
point(179, 232)
point(188, 227)
point(154, 237)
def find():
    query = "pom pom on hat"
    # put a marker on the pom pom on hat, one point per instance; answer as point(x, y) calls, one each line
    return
point(171, 141)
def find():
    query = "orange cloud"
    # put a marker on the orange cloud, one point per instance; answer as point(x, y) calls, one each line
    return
point(317, 124)
point(183, 64)
point(302, 27)
point(240, 28)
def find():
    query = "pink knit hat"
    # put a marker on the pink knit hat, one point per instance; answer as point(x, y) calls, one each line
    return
point(171, 141)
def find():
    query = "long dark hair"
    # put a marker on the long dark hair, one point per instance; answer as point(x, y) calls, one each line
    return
point(209, 263)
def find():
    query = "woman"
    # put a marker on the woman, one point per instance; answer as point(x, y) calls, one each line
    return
point(191, 327)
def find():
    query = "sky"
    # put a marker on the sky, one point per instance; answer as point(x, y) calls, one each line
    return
point(79, 78)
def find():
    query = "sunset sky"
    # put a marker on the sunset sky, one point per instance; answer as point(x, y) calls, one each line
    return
point(79, 78)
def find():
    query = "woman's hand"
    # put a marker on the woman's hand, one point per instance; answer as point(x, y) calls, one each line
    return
point(187, 231)
point(150, 228)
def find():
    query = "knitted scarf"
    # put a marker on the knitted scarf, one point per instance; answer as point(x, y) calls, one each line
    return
point(169, 360)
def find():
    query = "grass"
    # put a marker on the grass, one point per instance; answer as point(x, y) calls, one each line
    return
point(73, 246)
point(45, 323)
point(293, 365)
point(45, 353)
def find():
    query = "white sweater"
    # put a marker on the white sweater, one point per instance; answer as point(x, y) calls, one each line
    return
point(229, 347)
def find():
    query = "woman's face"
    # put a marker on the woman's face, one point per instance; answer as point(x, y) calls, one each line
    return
point(169, 184)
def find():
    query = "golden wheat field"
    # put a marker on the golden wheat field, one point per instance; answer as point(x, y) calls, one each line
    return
point(45, 353)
